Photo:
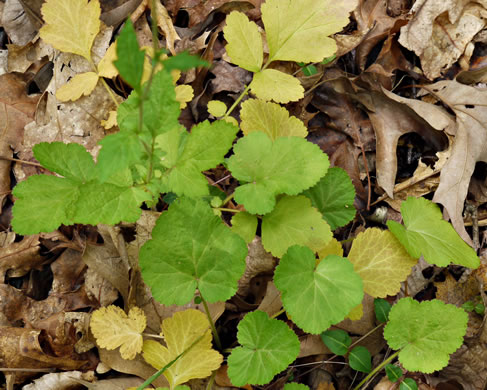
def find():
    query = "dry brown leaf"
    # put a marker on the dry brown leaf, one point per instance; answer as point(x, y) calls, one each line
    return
point(19, 258)
point(60, 380)
point(17, 24)
point(228, 78)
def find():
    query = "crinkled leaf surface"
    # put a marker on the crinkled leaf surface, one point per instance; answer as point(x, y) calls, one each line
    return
point(204, 148)
point(426, 233)
point(270, 118)
point(317, 296)
point(71, 26)
point(426, 333)
point(113, 328)
point(268, 346)
point(245, 225)
point(298, 30)
point(381, 261)
point(287, 165)
point(192, 248)
point(79, 85)
point(244, 42)
point(333, 195)
point(180, 332)
point(271, 84)
point(294, 222)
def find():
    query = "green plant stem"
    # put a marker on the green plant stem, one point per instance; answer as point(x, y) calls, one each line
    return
point(161, 371)
point(377, 369)
point(209, 386)
point(212, 324)
point(227, 210)
point(228, 199)
point(239, 99)
point(275, 315)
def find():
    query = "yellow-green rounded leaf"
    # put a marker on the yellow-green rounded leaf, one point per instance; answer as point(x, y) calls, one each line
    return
point(271, 84)
point(71, 26)
point(271, 118)
point(79, 85)
point(184, 94)
point(217, 108)
point(381, 261)
point(244, 42)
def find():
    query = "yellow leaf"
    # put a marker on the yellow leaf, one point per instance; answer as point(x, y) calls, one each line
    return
point(217, 108)
point(271, 84)
point(244, 42)
point(184, 94)
point(381, 261)
point(112, 328)
point(271, 118)
point(111, 120)
point(180, 332)
point(356, 313)
point(231, 119)
point(333, 247)
point(71, 26)
point(81, 84)
point(105, 66)
point(298, 30)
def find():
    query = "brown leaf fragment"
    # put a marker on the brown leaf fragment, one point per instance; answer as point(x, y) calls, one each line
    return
point(229, 78)
point(470, 107)
point(17, 24)
point(19, 258)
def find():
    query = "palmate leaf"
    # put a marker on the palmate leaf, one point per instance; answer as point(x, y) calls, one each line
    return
point(426, 233)
point(381, 261)
point(180, 332)
point(288, 165)
point(268, 346)
point(426, 333)
point(192, 248)
point(317, 297)
point(245, 225)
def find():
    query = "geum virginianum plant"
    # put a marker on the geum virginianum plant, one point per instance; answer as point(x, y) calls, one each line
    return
point(284, 181)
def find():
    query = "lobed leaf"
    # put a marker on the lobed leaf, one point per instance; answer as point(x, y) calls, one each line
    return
point(271, 84)
point(268, 346)
point(317, 296)
point(245, 225)
point(81, 84)
point(426, 233)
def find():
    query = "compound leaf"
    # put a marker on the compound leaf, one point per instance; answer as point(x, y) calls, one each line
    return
point(271, 118)
point(79, 85)
point(268, 346)
point(113, 328)
point(245, 225)
point(317, 296)
point(71, 26)
point(244, 42)
point(381, 261)
point(271, 84)
point(287, 165)
point(426, 333)
point(181, 333)
point(333, 195)
point(298, 30)
point(426, 233)
point(192, 248)
point(294, 222)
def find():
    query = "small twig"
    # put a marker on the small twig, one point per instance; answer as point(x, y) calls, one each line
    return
point(21, 161)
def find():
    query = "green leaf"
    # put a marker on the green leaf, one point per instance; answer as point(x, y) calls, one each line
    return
point(337, 340)
point(468, 306)
point(130, 62)
point(295, 386)
point(183, 61)
point(426, 233)
point(217, 108)
point(287, 165)
point(244, 45)
point(426, 333)
point(69, 160)
point(360, 359)
point(294, 222)
point(43, 204)
point(333, 196)
point(317, 297)
point(271, 84)
point(382, 309)
point(204, 148)
point(408, 384)
point(298, 30)
point(268, 346)
point(393, 372)
point(479, 309)
point(271, 118)
point(192, 248)
point(245, 225)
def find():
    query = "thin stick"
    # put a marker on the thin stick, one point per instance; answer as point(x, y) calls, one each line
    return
point(21, 161)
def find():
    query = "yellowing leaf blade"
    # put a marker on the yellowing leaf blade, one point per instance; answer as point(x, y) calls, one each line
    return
point(381, 261)
point(79, 85)
point(271, 118)
point(180, 332)
point(271, 84)
point(244, 42)
point(105, 66)
point(71, 26)
point(184, 94)
point(112, 328)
